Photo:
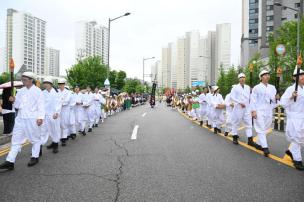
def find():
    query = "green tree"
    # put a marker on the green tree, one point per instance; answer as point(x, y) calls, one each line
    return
point(112, 78)
point(5, 77)
point(120, 79)
point(133, 86)
point(90, 71)
point(221, 82)
point(286, 35)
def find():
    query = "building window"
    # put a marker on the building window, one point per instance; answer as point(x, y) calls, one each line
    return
point(296, 16)
point(297, 5)
point(269, 28)
point(283, 19)
point(269, 7)
point(269, 18)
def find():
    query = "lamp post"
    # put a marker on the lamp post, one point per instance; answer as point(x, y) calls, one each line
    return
point(109, 41)
point(144, 59)
point(299, 21)
point(298, 42)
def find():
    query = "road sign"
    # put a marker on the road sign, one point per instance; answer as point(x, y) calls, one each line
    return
point(198, 83)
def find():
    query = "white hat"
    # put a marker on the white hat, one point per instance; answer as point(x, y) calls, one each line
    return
point(263, 72)
point(48, 80)
point(30, 75)
point(241, 75)
point(215, 88)
point(61, 81)
point(296, 71)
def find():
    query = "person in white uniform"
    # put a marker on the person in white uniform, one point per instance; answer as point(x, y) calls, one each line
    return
point(229, 107)
point(65, 96)
point(97, 106)
point(217, 110)
point(240, 96)
point(295, 119)
point(80, 112)
point(90, 109)
point(263, 101)
point(209, 107)
point(51, 125)
point(29, 102)
point(72, 128)
point(203, 106)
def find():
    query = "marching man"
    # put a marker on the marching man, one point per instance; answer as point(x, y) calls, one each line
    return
point(295, 119)
point(80, 113)
point(218, 105)
point(89, 105)
point(263, 101)
point(51, 126)
point(203, 105)
point(240, 95)
point(65, 96)
point(30, 104)
point(229, 107)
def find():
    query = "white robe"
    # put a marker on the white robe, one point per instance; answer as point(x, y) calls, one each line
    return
point(240, 95)
point(65, 97)
point(203, 106)
point(30, 105)
point(217, 115)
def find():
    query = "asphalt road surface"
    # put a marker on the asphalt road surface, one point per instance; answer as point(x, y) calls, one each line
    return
point(150, 155)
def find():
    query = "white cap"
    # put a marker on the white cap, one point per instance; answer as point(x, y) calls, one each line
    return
point(48, 80)
point(241, 75)
point(263, 72)
point(215, 88)
point(29, 75)
point(61, 81)
point(296, 71)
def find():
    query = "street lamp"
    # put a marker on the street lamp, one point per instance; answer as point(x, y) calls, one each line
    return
point(144, 59)
point(299, 20)
point(109, 35)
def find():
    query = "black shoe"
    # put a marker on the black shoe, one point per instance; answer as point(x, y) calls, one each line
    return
point(55, 148)
point(289, 154)
point(235, 140)
point(93, 126)
point(50, 146)
point(40, 153)
point(90, 130)
point(33, 162)
point(96, 125)
point(68, 137)
point(258, 147)
point(73, 136)
point(201, 123)
point(209, 126)
point(298, 165)
point(226, 133)
point(7, 166)
point(215, 130)
point(251, 142)
point(83, 133)
point(219, 130)
point(63, 142)
point(266, 152)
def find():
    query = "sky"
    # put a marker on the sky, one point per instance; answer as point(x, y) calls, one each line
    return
point(151, 25)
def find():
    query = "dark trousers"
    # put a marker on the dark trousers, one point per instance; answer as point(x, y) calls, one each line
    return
point(8, 122)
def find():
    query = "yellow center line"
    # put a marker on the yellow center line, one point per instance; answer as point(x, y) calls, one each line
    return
point(285, 160)
point(6, 150)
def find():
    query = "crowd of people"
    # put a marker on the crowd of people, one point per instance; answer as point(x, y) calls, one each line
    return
point(251, 107)
point(58, 114)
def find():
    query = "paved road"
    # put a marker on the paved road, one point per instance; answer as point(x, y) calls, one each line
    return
point(171, 159)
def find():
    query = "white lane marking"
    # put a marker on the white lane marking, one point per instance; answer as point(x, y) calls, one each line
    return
point(144, 114)
point(134, 133)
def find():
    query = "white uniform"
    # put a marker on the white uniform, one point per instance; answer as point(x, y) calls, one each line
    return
point(72, 129)
point(90, 110)
point(229, 109)
point(97, 107)
point(30, 105)
point(295, 120)
point(241, 95)
point(65, 97)
point(80, 112)
point(209, 108)
point(217, 115)
point(203, 106)
point(51, 126)
point(263, 101)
